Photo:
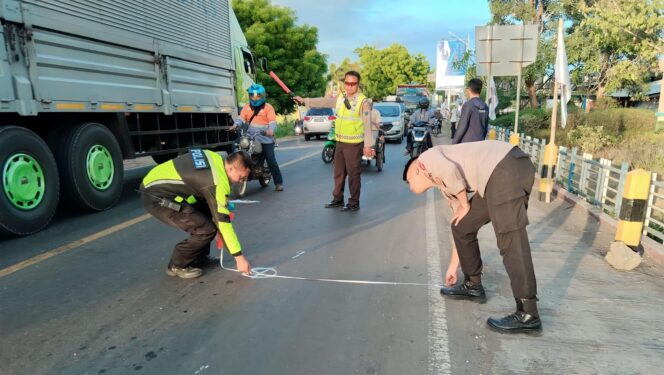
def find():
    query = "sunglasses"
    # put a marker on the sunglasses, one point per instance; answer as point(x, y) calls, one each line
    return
point(350, 83)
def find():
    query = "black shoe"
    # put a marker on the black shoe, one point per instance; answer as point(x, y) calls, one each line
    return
point(205, 262)
point(515, 323)
point(348, 208)
point(466, 290)
point(334, 204)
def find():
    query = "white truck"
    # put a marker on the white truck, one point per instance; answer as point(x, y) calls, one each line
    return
point(86, 84)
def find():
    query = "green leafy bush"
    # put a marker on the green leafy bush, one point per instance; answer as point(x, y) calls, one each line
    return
point(591, 138)
point(530, 120)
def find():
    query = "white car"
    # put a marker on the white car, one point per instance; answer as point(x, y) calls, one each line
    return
point(392, 120)
point(317, 122)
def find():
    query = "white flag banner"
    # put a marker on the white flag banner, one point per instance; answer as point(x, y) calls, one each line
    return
point(562, 77)
point(493, 99)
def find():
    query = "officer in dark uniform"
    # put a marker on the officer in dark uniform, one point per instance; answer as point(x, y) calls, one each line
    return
point(190, 193)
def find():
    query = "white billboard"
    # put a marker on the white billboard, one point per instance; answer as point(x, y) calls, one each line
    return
point(447, 76)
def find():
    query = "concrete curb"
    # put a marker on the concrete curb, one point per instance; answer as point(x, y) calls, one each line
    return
point(654, 251)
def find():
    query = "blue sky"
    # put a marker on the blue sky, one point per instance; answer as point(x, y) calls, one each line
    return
point(344, 25)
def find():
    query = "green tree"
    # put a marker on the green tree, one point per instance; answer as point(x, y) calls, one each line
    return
point(614, 44)
point(290, 50)
point(383, 70)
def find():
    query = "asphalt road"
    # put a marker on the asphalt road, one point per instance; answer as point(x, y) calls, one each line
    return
point(108, 307)
point(102, 304)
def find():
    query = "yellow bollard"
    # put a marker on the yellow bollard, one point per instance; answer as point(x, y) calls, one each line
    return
point(514, 139)
point(492, 136)
point(549, 160)
point(633, 208)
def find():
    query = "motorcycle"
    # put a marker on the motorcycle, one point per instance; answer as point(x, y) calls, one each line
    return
point(297, 129)
point(259, 167)
point(436, 126)
point(329, 147)
point(420, 133)
point(379, 146)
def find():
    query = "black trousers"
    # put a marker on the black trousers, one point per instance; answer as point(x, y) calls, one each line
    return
point(453, 128)
point(348, 162)
point(268, 151)
point(193, 219)
point(505, 205)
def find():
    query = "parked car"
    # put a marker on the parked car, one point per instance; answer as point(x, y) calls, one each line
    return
point(317, 122)
point(392, 120)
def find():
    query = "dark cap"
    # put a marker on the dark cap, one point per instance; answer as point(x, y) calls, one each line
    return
point(408, 163)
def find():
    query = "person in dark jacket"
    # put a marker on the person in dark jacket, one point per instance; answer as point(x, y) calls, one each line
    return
point(474, 118)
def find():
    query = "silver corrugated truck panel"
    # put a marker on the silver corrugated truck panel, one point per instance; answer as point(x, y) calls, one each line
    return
point(76, 69)
point(166, 53)
point(194, 30)
point(197, 84)
point(6, 90)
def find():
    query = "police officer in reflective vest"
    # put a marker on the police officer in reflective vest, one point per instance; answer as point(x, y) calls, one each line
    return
point(354, 138)
point(190, 193)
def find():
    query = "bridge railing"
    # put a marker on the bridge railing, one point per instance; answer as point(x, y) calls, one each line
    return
point(599, 181)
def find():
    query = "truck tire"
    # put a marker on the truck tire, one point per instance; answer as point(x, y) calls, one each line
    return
point(90, 163)
point(29, 186)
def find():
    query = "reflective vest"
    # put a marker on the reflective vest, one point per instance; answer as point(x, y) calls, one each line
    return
point(185, 178)
point(348, 125)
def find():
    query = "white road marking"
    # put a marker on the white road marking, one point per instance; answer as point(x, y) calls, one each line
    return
point(439, 352)
point(284, 148)
point(299, 159)
point(298, 254)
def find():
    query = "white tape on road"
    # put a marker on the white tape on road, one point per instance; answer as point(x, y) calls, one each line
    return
point(439, 352)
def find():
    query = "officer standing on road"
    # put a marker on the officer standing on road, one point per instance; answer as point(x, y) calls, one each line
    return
point(500, 177)
point(189, 193)
point(261, 120)
point(474, 118)
point(354, 138)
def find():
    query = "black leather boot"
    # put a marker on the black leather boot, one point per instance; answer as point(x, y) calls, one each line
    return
point(525, 319)
point(470, 289)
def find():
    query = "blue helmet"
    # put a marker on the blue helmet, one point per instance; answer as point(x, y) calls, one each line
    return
point(256, 95)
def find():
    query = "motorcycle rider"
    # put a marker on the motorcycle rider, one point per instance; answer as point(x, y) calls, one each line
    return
point(421, 114)
point(261, 120)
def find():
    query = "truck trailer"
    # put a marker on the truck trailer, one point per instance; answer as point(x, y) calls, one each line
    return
point(87, 84)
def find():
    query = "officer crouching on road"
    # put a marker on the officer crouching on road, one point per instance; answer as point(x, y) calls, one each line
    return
point(190, 193)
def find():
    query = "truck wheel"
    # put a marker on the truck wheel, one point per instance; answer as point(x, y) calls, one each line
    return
point(90, 163)
point(29, 186)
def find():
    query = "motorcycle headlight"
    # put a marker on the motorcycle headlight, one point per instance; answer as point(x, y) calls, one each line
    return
point(244, 142)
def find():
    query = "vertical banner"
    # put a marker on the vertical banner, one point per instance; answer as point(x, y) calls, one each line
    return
point(447, 76)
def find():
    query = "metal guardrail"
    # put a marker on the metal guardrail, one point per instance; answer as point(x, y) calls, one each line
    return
point(600, 181)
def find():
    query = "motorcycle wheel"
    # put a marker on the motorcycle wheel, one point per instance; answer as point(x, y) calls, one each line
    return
point(328, 154)
point(265, 178)
point(380, 159)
